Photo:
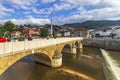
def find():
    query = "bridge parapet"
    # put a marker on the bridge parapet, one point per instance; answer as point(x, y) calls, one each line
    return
point(11, 47)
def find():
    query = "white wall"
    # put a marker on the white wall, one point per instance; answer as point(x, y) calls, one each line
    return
point(117, 32)
point(102, 33)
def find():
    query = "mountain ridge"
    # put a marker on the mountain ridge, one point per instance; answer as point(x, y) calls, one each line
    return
point(95, 24)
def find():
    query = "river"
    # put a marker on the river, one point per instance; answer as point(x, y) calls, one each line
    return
point(83, 66)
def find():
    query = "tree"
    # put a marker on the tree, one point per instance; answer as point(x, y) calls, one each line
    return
point(6, 33)
point(1, 25)
point(54, 34)
point(9, 26)
point(1, 32)
point(44, 32)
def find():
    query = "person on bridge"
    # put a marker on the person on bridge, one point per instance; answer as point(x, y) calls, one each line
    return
point(30, 37)
point(48, 37)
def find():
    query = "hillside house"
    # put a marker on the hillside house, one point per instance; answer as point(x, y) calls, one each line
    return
point(80, 32)
point(102, 32)
point(63, 33)
point(116, 33)
point(15, 34)
point(35, 33)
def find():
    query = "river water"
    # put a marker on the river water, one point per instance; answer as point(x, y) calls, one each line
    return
point(86, 65)
point(111, 64)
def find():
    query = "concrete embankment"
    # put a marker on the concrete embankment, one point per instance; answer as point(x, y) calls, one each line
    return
point(110, 44)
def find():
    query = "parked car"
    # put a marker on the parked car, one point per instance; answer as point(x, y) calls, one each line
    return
point(2, 40)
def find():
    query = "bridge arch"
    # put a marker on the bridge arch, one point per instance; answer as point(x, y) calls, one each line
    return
point(57, 58)
point(57, 54)
point(66, 48)
point(11, 60)
point(43, 58)
point(76, 44)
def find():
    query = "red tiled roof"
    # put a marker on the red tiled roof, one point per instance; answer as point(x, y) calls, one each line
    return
point(15, 31)
point(103, 29)
point(36, 30)
point(80, 29)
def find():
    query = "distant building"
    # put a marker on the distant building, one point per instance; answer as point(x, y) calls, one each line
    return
point(81, 32)
point(15, 34)
point(63, 32)
point(35, 33)
point(116, 33)
point(102, 32)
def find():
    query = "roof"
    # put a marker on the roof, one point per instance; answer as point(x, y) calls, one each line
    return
point(80, 29)
point(103, 29)
point(15, 32)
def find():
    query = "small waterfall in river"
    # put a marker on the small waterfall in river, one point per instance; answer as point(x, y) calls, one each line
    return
point(110, 65)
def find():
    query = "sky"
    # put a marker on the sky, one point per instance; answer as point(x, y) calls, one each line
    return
point(40, 12)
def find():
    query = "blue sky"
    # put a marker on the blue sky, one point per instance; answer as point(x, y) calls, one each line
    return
point(39, 12)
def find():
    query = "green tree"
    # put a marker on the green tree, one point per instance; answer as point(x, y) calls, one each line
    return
point(1, 25)
point(54, 34)
point(44, 32)
point(6, 33)
point(9, 26)
point(1, 32)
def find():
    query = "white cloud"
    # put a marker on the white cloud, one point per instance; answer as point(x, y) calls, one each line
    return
point(95, 2)
point(42, 11)
point(81, 2)
point(5, 11)
point(77, 18)
point(111, 3)
point(27, 12)
point(32, 21)
point(20, 3)
point(100, 10)
point(107, 13)
point(104, 13)
point(29, 16)
point(52, 9)
point(62, 6)
point(47, 1)
point(85, 10)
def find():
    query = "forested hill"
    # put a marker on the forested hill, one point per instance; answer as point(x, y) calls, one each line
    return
point(95, 24)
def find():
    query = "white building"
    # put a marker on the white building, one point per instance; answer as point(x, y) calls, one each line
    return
point(102, 32)
point(117, 33)
point(80, 32)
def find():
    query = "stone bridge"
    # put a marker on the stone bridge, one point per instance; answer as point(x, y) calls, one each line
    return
point(48, 52)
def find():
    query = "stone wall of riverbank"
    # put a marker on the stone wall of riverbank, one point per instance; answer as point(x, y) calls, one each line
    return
point(111, 44)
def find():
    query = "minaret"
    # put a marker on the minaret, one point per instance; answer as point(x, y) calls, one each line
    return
point(51, 29)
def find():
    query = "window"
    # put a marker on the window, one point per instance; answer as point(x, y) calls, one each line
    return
point(104, 30)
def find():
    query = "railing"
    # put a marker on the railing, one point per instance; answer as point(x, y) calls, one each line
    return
point(10, 47)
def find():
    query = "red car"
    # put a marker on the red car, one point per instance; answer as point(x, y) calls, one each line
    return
point(2, 40)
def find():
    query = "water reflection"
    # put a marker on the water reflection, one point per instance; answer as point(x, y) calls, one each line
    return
point(21, 70)
point(86, 65)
